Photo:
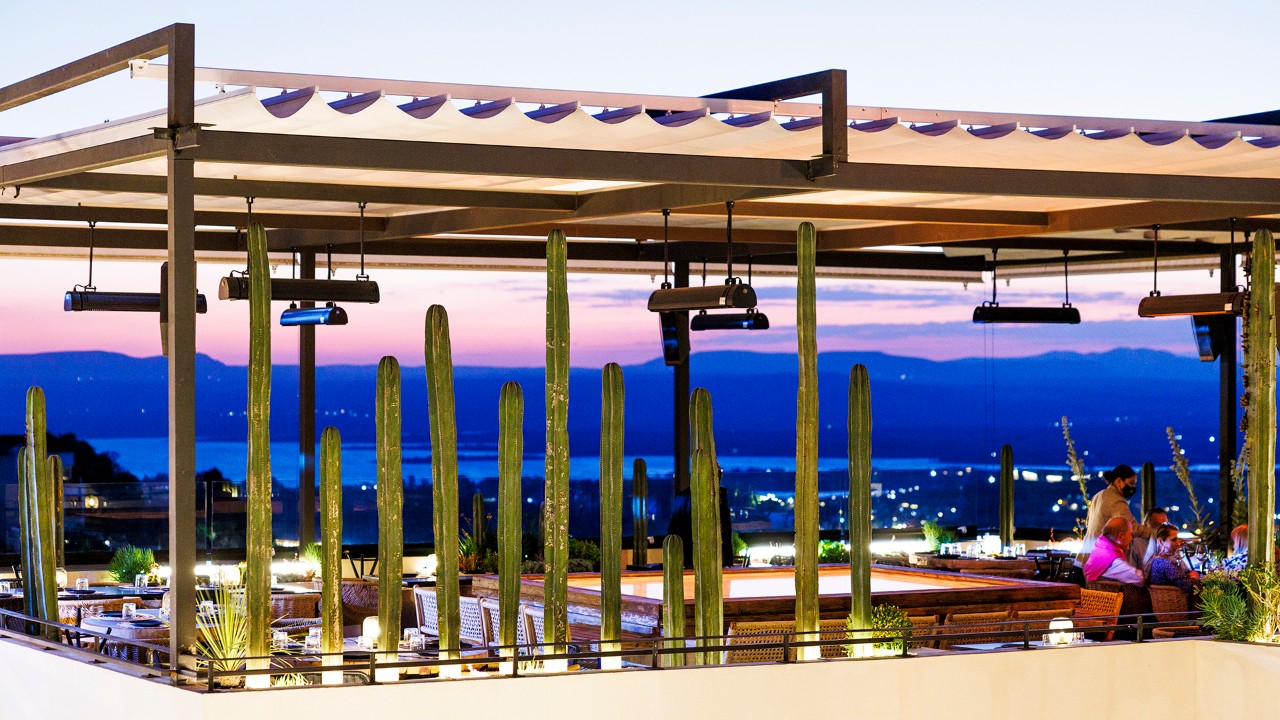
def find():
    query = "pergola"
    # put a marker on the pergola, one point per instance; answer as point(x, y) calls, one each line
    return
point(465, 176)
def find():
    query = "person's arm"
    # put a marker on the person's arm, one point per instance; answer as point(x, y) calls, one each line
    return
point(1121, 571)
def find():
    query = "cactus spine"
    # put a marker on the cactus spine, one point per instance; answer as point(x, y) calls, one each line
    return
point(331, 541)
point(556, 513)
point(860, 497)
point(444, 475)
point(806, 509)
point(1147, 482)
point(611, 440)
point(707, 590)
point(510, 522)
point(639, 513)
point(40, 584)
point(673, 598)
point(257, 577)
point(390, 507)
point(1262, 403)
point(479, 527)
point(1006, 496)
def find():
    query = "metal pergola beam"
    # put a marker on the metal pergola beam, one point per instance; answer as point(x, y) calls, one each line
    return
point(144, 147)
point(159, 216)
point(885, 213)
point(319, 192)
point(513, 161)
point(113, 238)
point(86, 69)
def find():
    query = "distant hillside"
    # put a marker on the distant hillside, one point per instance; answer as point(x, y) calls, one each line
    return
point(1119, 402)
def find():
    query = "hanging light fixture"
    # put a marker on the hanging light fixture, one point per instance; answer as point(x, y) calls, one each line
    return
point(733, 294)
point(752, 319)
point(87, 297)
point(993, 312)
point(1157, 305)
point(672, 324)
point(328, 314)
point(361, 290)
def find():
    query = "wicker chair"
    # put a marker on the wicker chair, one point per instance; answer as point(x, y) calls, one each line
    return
point(535, 624)
point(424, 600)
point(1098, 604)
point(923, 626)
point(1037, 621)
point(295, 606)
point(472, 628)
point(489, 609)
point(986, 623)
point(1136, 598)
point(1169, 603)
point(359, 601)
point(745, 639)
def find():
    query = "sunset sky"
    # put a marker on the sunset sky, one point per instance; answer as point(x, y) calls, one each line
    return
point(1124, 61)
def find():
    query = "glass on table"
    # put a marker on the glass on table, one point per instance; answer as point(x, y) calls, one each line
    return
point(208, 607)
point(82, 584)
point(6, 587)
point(140, 580)
point(279, 640)
point(128, 611)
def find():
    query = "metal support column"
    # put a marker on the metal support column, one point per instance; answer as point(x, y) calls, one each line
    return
point(182, 350)
point(1228, 403)
point(681, 396)
point(307, 418)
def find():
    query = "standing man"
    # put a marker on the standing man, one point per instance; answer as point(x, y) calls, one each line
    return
point(1112, 502)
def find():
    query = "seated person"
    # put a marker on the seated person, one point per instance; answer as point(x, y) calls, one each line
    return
point(1239, 557)
point(1166, 566)
point(1143, 547)
point(1109, 559)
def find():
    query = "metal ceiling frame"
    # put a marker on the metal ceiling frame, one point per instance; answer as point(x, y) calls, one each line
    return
point(461, 222)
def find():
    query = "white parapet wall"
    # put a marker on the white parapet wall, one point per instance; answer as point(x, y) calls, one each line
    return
point(1172, 680)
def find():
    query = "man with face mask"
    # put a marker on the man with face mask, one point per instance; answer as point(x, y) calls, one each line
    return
point(1112, 502)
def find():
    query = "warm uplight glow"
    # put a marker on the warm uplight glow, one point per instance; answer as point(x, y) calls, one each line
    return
point(428, 566)
point(371, 630)
point(1061, 632)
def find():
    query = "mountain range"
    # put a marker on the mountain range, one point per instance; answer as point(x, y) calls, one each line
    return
point(1119, 402)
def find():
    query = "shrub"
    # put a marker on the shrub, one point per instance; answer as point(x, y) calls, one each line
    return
point(130, 561)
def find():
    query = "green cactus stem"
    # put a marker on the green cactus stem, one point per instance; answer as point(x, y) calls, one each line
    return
point(639, 513)
point(331, 541)
point(860, 497)
point(1262, 403)
point(479, 526)
point(40, 584)
point(258, 540)
point(701, 424)
point(444, 475)
point(556, 513)
point(611, 459)
point(707, 591)
point(673, 620)
point(1006, 496)
point(390, 506)
point(806, 498)
point(510, 521)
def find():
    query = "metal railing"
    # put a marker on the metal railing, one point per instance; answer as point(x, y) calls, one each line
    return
point(307, 668)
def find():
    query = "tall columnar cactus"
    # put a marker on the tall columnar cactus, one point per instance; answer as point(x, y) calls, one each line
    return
point(673, 628)
point(806, 507)
point(1262, 403)
point(860, 497)
point(258, 542)
point(611, 435)
point(1006, 496)
point(707, 591)
point(479, 526)
point(59, 496)
point(639, 513)
point(444, 475)
point(331, 543)
point(40, 584)
point(556, 512)
point(1148, 485)
point(701, 424)
point(390, 506)
point(510, 522)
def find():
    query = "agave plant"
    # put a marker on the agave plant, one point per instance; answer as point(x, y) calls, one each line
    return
point(223, 642)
